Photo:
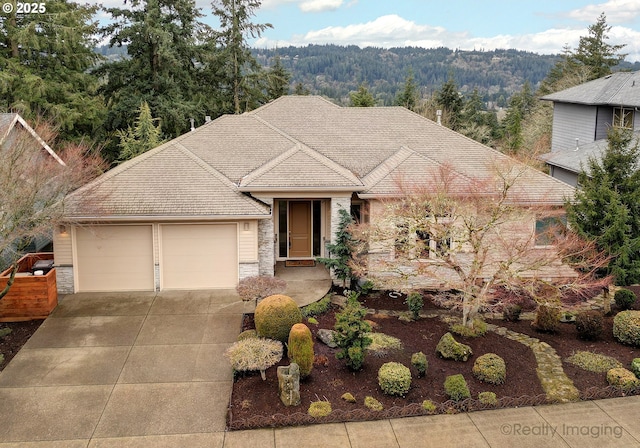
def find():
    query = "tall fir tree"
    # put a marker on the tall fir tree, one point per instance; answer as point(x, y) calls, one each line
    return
point(607, 205)
point(449, 98)
point(340, 250)
point(145, 135)
point(362, 97)
point(409, 95)
point(278, 79)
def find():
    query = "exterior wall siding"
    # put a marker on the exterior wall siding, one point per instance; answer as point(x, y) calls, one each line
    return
point(566, 176)
point(603, 122)
point(64, 279)
point(248, 270)
point(248, 241)
point(571, 121)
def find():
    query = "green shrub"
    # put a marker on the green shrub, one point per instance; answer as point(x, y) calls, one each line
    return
point(624, 299)
point(547, 319)
point(348, 397)
point(623, 378)
point(626, 327)
point(4, 331)
point(351, 333)
point(456, 387)
point(313, 321)
point(449, 348)
point(419, 361)
point(300, 349)
point(382, 343)
point(259, 287)
point(275, 315)
point(429, 406)
point(511, 312)
point(589, 325)
point(490, 368)
point(635, 367)
point(317, 308)
point(394, 378)
point(415, 302)
point(247, 334)
point(488, 398)
point(254, 354)
point(366, 287)
point(593, 362)
point(373, 404)
point(478, 328)
point(319, 409)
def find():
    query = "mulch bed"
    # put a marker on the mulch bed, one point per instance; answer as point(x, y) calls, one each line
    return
point(13, 342)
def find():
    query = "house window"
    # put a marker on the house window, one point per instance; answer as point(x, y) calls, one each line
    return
point(623, 117)
point(421, 244)
point(548, 229)
point(359, 212)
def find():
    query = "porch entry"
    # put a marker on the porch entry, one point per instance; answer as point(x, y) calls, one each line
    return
point(299, 229)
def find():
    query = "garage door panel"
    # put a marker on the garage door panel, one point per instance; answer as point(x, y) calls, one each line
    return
point(115, 258)
point(199, 256)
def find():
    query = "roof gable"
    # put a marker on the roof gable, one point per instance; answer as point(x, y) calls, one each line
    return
point(10, 122)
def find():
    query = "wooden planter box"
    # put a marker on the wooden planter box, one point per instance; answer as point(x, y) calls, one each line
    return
point(31, 296)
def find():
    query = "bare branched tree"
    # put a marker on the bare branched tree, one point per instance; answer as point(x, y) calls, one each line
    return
point(33, 182)
point(455, 233)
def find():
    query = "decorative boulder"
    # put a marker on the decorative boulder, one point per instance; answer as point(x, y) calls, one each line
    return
point(326, 337)
point(289, 384)
point(449, 348)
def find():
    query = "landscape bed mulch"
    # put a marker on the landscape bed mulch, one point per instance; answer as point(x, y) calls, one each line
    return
point(255, 403)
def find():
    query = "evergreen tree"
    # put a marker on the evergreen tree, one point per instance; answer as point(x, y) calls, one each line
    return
point(607, 206)
point(300, 89)
point(362, 98)
point(409, 96)
point(593, 51)
point(340, 250)
point(451, 102)
point(278, 80)
point(145, 135)
point(44, 63)
point(234, 70)
point(520, 107)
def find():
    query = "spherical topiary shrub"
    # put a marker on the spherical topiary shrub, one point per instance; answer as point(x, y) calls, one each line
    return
point(394, 378)
point(624, 299)
point(589, 325)
point(547, 319)
point(626, 327)
point(275, 316)
point(300, 348)
point(490, 368)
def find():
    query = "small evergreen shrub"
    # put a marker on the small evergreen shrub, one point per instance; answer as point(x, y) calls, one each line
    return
point(415, 302)
point(490, 368)
point(593, 362)
point(373, 404)
point(254, 354)
point(429, 406)
point(300, 349)
point(589, 325)
point(547, 319)
point(511, 312)
point(275, 315)
point(247, 334)
point(449, 348)
point(419, 361)
point(259, 287)
point(624, 299)
point(366, 287)
point(382, 343)
point(626, 327)
point(478, 328)
point(319, 409)
point(313, 321)
point(456, 387)
point(317, 308)
point(622, 378)
point(4, 331)
point(488, 398)
point(351, 333)
point(635, 367)
point(348, 397)
point(394, 378)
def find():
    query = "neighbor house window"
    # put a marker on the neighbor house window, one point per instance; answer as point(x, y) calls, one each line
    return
point(548, 229)
point(623, 117)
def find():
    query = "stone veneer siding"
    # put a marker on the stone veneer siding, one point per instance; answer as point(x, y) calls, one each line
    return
point(250, 269)
point(64, 279)
point(266, 245)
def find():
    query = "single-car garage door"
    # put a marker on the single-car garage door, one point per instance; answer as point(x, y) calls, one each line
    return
point(199, 256)
point(115, 258)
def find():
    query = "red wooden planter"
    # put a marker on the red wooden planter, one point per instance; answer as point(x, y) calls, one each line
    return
point(31, 296)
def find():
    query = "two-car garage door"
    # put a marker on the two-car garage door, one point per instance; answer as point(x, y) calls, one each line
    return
point(121, 257)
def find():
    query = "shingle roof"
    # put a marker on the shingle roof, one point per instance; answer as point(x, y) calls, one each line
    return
point(299, 143)
point(8, 123)
point(617, 89)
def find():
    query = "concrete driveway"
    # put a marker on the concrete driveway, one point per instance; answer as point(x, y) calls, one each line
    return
point(134, 369)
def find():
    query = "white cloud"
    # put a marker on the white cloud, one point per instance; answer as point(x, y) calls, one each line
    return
point(616, 11)
point(320, 5)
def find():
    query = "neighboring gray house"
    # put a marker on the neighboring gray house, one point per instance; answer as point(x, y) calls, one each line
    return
point(582, 116)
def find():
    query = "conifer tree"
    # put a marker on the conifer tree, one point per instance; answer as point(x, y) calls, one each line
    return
point(362, 98)
point(145, 135)
point(278, 80)
point(340, 250)
point(409, 96)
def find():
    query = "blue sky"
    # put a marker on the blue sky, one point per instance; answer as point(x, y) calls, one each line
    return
point(541, 26)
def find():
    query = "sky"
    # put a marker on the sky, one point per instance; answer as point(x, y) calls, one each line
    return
point(540, 26)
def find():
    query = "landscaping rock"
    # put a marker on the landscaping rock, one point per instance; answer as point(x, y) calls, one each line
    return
point(449, 348)
point(289, 384)
point(339, 300)
point(326, 337)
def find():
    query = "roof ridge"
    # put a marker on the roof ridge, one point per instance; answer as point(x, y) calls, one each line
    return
point(385, 167)
point(612, 77)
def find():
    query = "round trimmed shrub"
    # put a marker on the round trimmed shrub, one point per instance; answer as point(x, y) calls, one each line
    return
point(547, 319)
point(488, 398)
point(490, 368)
point(511, 312)
point(300, 348)
point(275, 316)
point(626, 327)
point(419, 361)
point(247, 334)
point(394, 378)
point(589, 325)
point(624, 299)
point(456, 387)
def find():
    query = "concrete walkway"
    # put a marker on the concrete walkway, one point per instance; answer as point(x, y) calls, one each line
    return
point(147, 370)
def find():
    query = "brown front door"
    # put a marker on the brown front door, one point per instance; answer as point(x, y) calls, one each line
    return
point(299, 229)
